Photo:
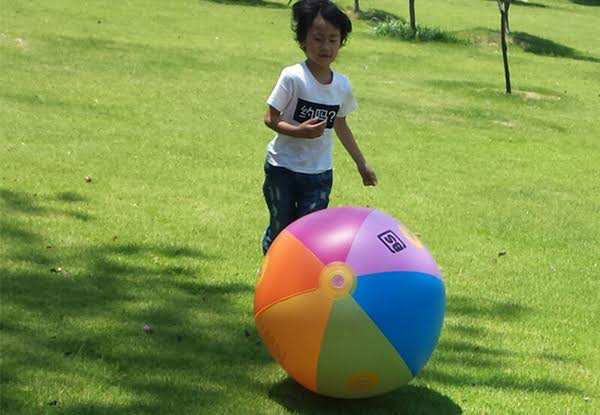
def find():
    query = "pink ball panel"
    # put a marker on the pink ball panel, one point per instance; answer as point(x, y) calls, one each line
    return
point(329, 233)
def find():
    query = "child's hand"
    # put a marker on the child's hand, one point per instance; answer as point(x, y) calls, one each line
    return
point(368, 175)
point(312, 128)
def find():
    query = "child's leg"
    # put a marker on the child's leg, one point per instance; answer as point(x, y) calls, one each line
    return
point(313, 192)
point(278, 191)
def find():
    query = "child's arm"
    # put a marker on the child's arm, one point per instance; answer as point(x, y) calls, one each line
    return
point(312, 128)
point(342, 129)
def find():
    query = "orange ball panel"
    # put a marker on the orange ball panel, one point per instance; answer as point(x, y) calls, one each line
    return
point(289, 269)
point(293, 332)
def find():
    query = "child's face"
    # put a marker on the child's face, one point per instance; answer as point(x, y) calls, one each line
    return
point(322, 43)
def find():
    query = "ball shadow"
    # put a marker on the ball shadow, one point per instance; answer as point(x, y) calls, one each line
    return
point(409, 400)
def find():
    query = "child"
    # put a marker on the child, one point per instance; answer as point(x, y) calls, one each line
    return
point(308, 101)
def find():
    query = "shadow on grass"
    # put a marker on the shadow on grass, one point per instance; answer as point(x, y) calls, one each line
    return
point(74, 339)
point(409, 400)
point(72, 197)
point(545, 47)
point(587, 2)
point(465, 357)
point(529, 43)
point(29, 204)
point(463, 347)
point(252, 3)
point(73, 317)
point(503, 382)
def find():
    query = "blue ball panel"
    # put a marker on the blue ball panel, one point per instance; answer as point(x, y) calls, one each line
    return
point(408, 307)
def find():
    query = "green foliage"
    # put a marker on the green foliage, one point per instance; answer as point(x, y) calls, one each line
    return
point(374, 16)
point(400, 29)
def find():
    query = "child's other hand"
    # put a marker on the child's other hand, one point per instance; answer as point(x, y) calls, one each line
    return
point(368, 175)
point(312, 128)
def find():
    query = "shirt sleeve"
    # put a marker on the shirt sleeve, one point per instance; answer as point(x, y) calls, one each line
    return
point(349, 103)
point(282, 93)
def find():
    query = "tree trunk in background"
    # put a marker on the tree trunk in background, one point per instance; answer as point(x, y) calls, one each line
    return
point(506, 5)
point(356, 6)
point(411, 10)
point(503, 20)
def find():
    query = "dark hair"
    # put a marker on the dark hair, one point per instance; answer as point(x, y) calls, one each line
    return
point(305, 11)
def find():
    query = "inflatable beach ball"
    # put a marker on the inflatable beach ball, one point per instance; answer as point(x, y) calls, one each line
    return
point(349, 302)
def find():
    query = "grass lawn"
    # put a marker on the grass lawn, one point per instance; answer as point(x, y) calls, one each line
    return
point(131, 151)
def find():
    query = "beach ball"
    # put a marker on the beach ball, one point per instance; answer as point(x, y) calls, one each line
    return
point(349, 302)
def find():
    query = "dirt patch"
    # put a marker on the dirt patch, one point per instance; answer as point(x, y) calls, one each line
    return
point(16, 42)
point(536, 96)
point(506, 124)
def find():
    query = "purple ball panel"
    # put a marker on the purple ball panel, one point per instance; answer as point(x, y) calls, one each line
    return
point(380, 246)
point(329, 233)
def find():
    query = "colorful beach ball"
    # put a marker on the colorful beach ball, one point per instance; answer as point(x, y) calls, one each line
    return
point(349, 302)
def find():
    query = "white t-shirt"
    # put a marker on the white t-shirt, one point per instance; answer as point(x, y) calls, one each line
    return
point(298, 96)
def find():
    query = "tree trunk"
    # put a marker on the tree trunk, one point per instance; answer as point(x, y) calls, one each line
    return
point(507, 5)
point(411, 10)
point(503, 20)
point(356, 7)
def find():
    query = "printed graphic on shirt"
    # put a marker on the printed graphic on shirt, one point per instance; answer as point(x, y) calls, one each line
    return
point(305, 110)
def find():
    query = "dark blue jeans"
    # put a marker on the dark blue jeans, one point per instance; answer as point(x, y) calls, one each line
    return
point(290, 195)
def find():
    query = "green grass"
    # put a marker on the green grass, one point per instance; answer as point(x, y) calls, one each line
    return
point(161, 105)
